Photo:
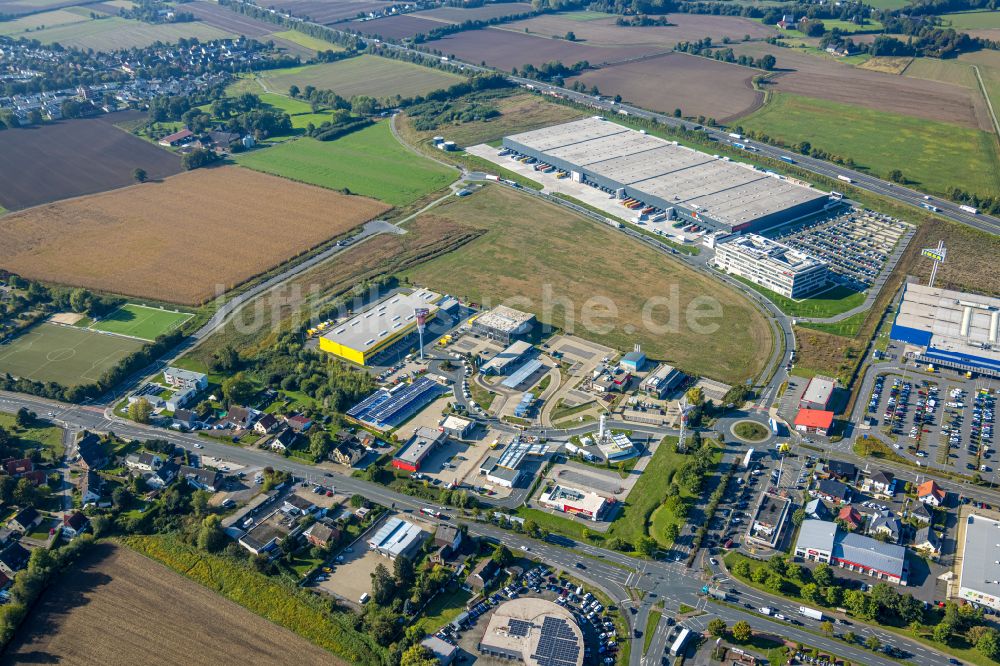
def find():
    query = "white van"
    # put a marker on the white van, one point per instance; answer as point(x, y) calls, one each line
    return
point(363, 599)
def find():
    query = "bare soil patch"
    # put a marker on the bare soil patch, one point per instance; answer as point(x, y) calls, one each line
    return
point(395, 27)
point(484, 13)
point(886, 64)
point(506, 49)
point(225, 19)
point(324, 11)
point(80, 157)
point(604, 32)
point(697, 86)
point(823, 78)
point(116, 607)
point(179, 240)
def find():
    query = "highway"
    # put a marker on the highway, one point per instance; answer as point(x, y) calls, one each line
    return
point(671, 582)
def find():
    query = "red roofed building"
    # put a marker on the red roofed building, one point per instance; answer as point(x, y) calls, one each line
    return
point(931, 493)
point(850, 517)
point(177, 138)
point(818, 421)
point(18, 466)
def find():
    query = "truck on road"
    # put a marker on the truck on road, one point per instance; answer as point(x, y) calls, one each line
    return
point(845, 179)
point(810, 613)
point(715, 593)
point(734, 135)
point(970, 210)
point(764, 610)
point(785, 158)
point(678, 645)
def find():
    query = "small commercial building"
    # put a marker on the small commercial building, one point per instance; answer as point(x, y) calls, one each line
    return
point(397, 538)
point(534, 632)
point(388, 407)
point(634, 361)
point(824, 541)
point(522, 374)
point(661, 381)
point(583, 503)
point(769, 520)
point(416, 450)
point(443, 651)
point(457, 427)
point(502, 363)
point(772, 265)
point(503, 324)
point(979, 573)
point(818, 421)
point(382, 325)
point(818, 392)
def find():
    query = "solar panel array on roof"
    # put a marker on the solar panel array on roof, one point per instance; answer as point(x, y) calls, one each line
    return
point(519, 628)
point(557, 645)
point(386, 407)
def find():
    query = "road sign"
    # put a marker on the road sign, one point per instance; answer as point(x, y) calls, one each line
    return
point(936, 254)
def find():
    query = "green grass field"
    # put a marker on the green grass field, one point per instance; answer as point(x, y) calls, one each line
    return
point(935, 156)
point(139, 321)
point(300, 112)
point(369, 162)
point(70, 356)
point(830, 302)
point(887, 4)
point(552, 263)
point(25, 26)
point(365, 75)
point(972, 20)
point(945, 71)
point(307, 41)
point(47, 438)
point(111, 33)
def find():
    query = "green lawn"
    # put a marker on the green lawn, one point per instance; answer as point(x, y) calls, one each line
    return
point(647, 496)
point(139, 321)
point(831, 302)
point(49, 438)
point(113, 32)
point(307, 41)
point(935, 156)
point(651, 622)
point(972, 20)
point(442, 609)
point(848, 328)
point(300, 112)
point(363, 75)
point(369, 162)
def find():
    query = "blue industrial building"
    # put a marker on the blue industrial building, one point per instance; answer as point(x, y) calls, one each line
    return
point(387, 408)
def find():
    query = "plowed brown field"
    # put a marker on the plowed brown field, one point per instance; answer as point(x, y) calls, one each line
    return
point(179, 240)
point(119, 608)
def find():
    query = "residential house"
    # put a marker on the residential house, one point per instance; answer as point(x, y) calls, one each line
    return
point(18, 466)
point(842, 471)
point(887, 524)
point(24, 520)
point(787, 22)
point(921, 513)
point(181, 398)
point(179, 378)
point(929, 492)
point(163, 476)
point(482, 574)
point(284, 440)
point(6, 536)
point(851, 518)
point(143, 461)
point(265, 424)
point(299, 422)
point(186, 418)
point(90, 486)
point(177, 138)
point(13, 558)
point(345, 454)
point(816, 510)
point(295, 504)
point(926, 541)
point(240, 417)
point(201, 478)
point(880, 482)
point(447, 536)
point(74, 523)
point(90, 452)
point(320, 534)
point(833, 491)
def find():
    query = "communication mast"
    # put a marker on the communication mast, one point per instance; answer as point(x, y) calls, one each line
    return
point(421, 315)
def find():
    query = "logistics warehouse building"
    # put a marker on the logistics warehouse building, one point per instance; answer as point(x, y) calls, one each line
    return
point(979, 580)
point(390, 320)
point(707, 190)
point(950, 328)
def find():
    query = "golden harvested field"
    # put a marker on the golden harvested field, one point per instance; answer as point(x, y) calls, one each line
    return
point(886, 64)
point(117, 608)
point(181, 239)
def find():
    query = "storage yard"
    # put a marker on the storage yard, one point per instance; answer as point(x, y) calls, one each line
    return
point(664, 180)
point(130, 241)
point(855, 244)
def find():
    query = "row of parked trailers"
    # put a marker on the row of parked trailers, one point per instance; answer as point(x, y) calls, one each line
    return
point(527, 160)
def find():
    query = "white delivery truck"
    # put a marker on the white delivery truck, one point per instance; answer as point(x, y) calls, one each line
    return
point(810, 613)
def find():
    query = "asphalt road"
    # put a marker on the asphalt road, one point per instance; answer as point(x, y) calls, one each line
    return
point(672, 583)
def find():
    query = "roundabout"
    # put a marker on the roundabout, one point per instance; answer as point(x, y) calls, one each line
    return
point(750, 431)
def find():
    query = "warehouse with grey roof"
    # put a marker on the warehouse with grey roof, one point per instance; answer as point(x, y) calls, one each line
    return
point(696, 186)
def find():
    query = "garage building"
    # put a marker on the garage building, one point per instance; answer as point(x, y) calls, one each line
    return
point(697, 187)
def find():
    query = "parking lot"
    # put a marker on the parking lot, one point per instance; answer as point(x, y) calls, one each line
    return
point(856, 243)
point(940, 421)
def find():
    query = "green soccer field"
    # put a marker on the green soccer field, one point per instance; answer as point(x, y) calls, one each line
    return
point(139, 321)
point(64, 354)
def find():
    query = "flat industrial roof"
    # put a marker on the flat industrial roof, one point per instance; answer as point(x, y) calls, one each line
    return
point(774, 254)
point(507, 356)
point(386, 318)
point(957, 321)
point(423, 442)
point(503, 318)
point(538, 631)
point(727, 191)
point(819, 389)
point(980, 568)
